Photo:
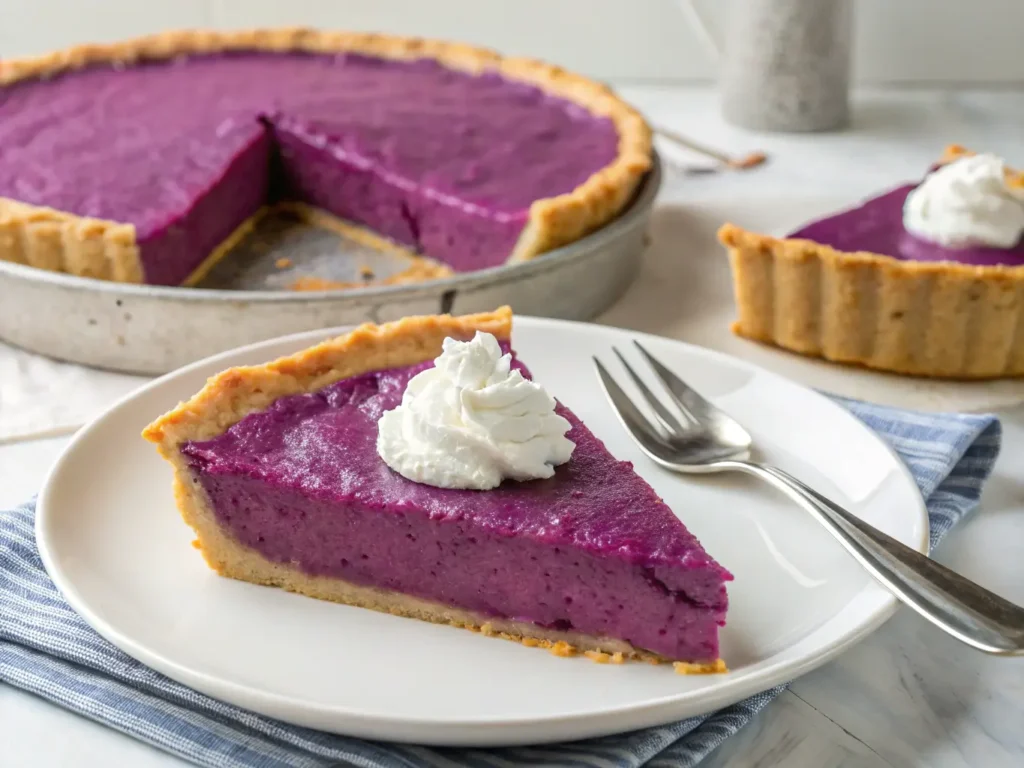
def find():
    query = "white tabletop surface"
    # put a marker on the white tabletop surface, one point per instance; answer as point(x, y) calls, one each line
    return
point(906, 696)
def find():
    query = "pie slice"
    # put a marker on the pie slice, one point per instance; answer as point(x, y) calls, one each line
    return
point(276, 469)
point(860, 287)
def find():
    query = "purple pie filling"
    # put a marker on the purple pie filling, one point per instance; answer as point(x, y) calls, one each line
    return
point(593, 549)
point(877, 226)
point(439, 160)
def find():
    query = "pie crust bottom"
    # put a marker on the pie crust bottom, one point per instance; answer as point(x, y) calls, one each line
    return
point(420, 268)
point(229, 558)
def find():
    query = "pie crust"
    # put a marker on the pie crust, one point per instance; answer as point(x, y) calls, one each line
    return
point(50, 239)
point(936, 319)
point(230, 396)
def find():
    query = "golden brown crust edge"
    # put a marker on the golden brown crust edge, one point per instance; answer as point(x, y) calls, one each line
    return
point(229, 396)
point(929, 319)
point(108, 250)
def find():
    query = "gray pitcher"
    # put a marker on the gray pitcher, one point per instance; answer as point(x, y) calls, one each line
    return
point(785, 64)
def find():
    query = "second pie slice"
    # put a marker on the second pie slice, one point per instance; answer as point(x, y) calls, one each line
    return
point(278, 471)
point(926, 279)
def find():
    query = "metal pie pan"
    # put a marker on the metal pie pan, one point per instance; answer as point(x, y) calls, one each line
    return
point(154, 329)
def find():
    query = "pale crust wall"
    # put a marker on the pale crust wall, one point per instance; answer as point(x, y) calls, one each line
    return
point(229, 396)
point(937, 319)
point(61, 242)
point(108, 249)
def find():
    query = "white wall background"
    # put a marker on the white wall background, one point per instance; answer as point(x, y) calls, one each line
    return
point(944, 41)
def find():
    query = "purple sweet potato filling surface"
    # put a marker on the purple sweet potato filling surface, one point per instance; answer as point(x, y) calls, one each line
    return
point(876, 226)
point(592, 549)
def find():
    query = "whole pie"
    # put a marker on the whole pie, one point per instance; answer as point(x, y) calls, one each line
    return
point(145, 161)
point(276, 469)
point(926, 279)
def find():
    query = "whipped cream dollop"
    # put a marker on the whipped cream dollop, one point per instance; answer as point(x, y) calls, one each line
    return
point(471, 422)
point(966, 203)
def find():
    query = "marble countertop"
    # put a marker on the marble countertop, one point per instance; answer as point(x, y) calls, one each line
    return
point(906, 696)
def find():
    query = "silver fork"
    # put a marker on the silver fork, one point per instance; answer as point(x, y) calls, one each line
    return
point(696, 437)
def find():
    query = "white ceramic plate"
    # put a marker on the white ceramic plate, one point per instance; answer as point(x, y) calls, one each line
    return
point(114, 544)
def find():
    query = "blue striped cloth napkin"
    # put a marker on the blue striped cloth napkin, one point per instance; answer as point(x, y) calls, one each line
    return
point(47, 649)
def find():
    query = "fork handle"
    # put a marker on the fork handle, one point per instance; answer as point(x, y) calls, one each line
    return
point(957, 605)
